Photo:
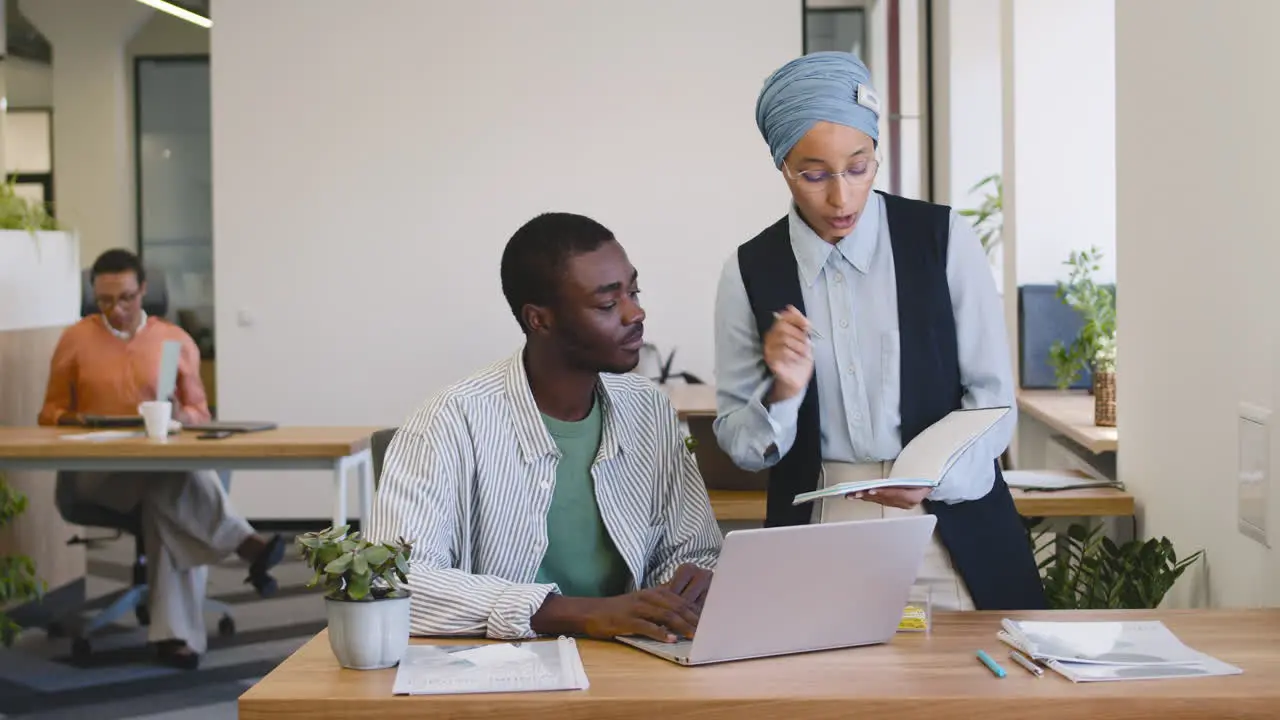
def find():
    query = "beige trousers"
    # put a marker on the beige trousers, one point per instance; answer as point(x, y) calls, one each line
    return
point(937, 576)
point(187, 524)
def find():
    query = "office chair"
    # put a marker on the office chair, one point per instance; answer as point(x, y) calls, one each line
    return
point(75, 512)
point(378, 444)
point(115, 604)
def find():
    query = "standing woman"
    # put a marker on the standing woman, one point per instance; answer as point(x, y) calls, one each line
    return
point(855, 322)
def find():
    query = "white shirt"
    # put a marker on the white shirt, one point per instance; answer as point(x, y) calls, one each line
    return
point(142, 322)
point(469, 478)
point(850, 293)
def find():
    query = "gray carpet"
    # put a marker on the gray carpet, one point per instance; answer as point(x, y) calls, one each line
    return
point(39, 679)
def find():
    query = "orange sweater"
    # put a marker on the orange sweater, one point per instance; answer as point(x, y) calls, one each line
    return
point(95, 372)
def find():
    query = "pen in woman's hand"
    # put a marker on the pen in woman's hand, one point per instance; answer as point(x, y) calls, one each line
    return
point(812, 333)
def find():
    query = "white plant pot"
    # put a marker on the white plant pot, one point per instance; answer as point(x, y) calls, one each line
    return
point(39, 279)
point(370, 634)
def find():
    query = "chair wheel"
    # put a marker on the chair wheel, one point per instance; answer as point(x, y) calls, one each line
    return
point(143, 614)
point(226, 626)
point(80, 649)
point(55, 630)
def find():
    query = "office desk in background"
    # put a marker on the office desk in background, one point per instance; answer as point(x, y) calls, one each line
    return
point(1070, 414)
point(739, 496)
point(916, 676)
point(338, 449)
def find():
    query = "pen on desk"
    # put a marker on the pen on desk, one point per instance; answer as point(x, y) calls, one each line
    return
point(991, 664)
point(1026, 662)
point(812, 333)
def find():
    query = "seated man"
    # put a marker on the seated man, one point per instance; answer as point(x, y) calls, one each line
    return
point(107, 364)
point(552, 493)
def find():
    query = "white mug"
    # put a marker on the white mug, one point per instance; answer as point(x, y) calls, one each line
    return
point(156, 415)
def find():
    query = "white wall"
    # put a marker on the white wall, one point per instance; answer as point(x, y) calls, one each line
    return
point(1059, 154)
point(967, 97)
point(1196, 153)
point(362, 200)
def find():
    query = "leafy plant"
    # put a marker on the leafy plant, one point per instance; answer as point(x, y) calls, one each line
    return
point(353, 568)
point(1090, 571)
point(1094, 348)
point(19, 213)
point(18, 581)
point(988, 218)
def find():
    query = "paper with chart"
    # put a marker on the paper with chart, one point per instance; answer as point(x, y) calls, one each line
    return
point(1109, 651)
point(927, 458)
point(494, 667)
point(1048, 480)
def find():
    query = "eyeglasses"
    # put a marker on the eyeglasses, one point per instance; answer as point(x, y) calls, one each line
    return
point(860, 175)
point(106, 303)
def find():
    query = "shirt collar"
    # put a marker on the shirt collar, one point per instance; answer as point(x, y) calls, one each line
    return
point(812, 252)
point(124, 335)
point(531, 432)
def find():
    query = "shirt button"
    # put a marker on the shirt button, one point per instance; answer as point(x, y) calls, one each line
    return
point(839, 277)
point(844, 323)
point(850, 370)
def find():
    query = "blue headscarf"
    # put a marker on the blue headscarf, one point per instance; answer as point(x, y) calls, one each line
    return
point(822, 86)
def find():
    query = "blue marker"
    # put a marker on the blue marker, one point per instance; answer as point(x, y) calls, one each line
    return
point(991, 664)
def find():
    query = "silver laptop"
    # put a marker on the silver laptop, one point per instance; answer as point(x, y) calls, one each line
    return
point(803, 588)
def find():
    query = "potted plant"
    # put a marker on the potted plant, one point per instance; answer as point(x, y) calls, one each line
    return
point(1085, 570)
point(988, 218)
point(366, 595)
point(1094, 347)
point(18, 582)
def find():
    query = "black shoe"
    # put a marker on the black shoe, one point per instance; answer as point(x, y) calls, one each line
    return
point(177, 654)
point(270, 556)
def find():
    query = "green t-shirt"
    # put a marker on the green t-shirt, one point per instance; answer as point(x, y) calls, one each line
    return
point(581, 557)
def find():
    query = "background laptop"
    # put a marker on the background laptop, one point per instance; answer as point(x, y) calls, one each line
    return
point(802, 588)
point(166, 382)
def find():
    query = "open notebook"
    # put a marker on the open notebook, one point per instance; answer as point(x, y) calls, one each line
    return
point(927, 458)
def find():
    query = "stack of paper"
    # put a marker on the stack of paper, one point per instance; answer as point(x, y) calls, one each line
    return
point(1101, 651)
point(495, 667)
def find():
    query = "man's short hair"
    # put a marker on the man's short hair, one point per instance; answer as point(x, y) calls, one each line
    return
point(535, 258)
point(116, 261)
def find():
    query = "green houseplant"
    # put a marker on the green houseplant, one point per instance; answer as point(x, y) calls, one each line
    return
point(1094, 347)
point(18, 581)
point(988, 217)
point(19, 213)
point(366, 595)
point(1084, 569)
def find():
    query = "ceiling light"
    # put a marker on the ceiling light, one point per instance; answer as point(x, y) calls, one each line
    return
point(178, 12)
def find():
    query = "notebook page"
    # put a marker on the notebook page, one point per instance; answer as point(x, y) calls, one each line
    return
point(931, 453)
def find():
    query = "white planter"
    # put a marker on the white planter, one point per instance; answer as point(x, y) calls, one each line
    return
point(39, 279)
point(368, 635)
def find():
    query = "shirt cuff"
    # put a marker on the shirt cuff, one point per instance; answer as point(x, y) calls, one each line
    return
point(782, 417)
point(514, 609)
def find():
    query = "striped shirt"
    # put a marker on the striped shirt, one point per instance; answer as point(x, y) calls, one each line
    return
point(469, 478)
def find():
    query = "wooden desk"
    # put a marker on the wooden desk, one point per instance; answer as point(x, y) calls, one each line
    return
point(749, 505)
point(692, 400)
point(338, 449)
point(916, 676)
point(1071, 414)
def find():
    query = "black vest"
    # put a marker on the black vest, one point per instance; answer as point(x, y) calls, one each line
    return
point(987, 541)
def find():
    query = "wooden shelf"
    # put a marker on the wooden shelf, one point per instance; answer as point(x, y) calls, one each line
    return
point(1069, 413)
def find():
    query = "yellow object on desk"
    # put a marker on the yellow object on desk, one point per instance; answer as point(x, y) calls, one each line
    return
point(915, 618)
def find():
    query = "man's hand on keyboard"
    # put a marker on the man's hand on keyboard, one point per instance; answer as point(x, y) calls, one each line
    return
point(658, 613)
point(691, 583)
